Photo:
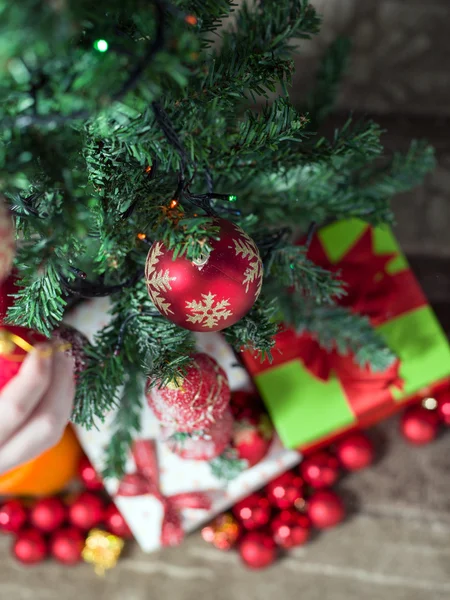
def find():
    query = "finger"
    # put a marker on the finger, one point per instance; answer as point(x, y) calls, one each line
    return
point(46, 424)
point(22, 394)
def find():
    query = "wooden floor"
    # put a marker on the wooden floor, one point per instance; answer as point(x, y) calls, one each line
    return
point(396, 543)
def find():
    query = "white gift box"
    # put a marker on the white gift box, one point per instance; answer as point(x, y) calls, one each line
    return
point(144, 514)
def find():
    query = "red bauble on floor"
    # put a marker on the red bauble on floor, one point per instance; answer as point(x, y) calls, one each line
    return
point(320, 469)
point(355, 451)
point(86, 511)
point(419, 425)
point(48, 514)
point(290, 528)
point(257, 549)
point(66, 545)
point(195, 401)
point(89, 476)
point(443, 407)
point(213, 292)
point(253, 511)
point(209, 444)
point(115, 523)
point(325, 509)
point(286, 491)
point(13, 516)
point(30, 547)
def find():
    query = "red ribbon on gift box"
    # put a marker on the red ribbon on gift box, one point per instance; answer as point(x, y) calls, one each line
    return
point(145, 481)
point(371, 291)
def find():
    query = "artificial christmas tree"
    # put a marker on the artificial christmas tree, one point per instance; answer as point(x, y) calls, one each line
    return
point(124, 127)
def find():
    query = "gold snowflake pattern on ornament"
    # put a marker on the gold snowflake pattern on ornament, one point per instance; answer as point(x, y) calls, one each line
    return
point(158, 281)
point(249, 250)
point(208, 311)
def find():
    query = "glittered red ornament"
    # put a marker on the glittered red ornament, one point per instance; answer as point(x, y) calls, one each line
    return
point(195, 401)
point(290, 528)
point(30, 547)
point(253, 511)
point(115, 523)
point(325, 509)
point(213, 292)
point(320, 469)
point(48, 514)
point(355, 451)
point(286, 491)
point(7, 244)
point(257, 549)
point(86, 511)
point(78, 342)
point(252, 440)
point(66, 545)
point(443, 407)
point(223, 532)
point(208, 444)
point(13, 516)
point(89, 476)
point(11, 355)
point(419, 425)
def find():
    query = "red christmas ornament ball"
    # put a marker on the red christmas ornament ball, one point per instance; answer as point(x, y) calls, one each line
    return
point(325, 509)
point(89, 476)
point(78, 342)
point(66, 545)
point(86, 511)
point(290, 528)
point(208, 444)
point(11, 355)
point(257, 549)
point(253, 512)
point(355, 451)
point(7, 244)
point(419, 425)
point(286, 491)
point(30, 547)
point(48, 514)
point(195, 401)
point(213, 292)
point(252, 440)
point(443, 407)
point(115, 523)
point(13, 516)
point(320, 470)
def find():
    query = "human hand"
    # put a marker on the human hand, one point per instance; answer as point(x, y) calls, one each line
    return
point(35, 406)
